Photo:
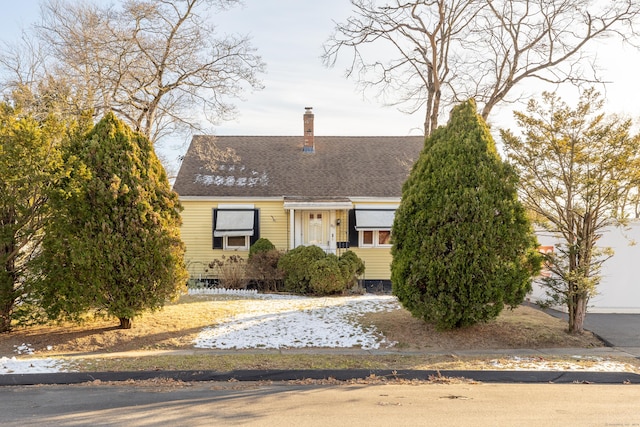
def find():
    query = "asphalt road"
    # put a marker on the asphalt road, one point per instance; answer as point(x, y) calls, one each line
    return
point(495, 399)
point(253, 404)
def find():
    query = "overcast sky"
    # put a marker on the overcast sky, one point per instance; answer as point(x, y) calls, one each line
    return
point(289, 35)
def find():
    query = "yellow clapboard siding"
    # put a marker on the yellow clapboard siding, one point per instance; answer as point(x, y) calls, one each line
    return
point(377, 262)
point(197, 232)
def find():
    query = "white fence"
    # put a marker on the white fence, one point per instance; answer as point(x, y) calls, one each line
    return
point(221, 291)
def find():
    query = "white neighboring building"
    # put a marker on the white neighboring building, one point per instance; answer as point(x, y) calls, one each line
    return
point(619, 289)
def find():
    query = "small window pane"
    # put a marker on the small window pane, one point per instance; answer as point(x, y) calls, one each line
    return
point(236, 241)
point(367, 237)
point(384, 237)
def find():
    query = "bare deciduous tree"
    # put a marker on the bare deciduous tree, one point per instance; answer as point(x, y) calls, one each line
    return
point(159, 65)
point(446, 51)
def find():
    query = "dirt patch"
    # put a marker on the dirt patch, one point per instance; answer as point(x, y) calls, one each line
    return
point(524, 327)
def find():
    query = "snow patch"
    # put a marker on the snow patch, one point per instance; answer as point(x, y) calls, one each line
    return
point(31, 366)
point(23, 349)
point(283, 321)
point(254, 179)
point(593, 364)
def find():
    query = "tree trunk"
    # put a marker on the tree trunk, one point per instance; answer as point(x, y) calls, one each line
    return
point(7, 291)
point(5, 320)
point(577, 313)
point(125, 323)
point(7, 302)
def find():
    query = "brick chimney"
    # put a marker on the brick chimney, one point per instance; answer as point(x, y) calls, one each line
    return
point(309, 144)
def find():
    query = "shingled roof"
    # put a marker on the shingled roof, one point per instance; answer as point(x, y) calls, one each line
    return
point(276, 166)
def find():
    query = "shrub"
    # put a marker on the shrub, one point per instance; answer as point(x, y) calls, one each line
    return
point(261, 245)
point(231, 272)
point(352, 267)
point(308, 270)
point(262, 267)
point(296, 265)
point(326, 277)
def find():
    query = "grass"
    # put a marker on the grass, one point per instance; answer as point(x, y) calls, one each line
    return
point(230, 362)
point(97, 345)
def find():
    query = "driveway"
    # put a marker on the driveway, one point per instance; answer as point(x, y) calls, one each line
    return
point(615, 329)
point(618, 330)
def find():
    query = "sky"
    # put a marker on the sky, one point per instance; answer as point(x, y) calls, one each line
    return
point(289, 35)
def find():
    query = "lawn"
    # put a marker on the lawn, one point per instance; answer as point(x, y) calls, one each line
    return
point(224, 332)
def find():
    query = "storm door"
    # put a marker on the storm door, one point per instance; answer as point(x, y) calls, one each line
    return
point(316, 228)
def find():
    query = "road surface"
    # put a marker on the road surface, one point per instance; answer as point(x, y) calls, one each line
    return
point(286, 404)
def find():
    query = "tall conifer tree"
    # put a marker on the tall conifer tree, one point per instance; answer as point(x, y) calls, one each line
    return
point(30, 167)
point(114, 244)
point(463, 247)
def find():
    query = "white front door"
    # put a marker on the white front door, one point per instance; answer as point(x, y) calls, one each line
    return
point(316, 228)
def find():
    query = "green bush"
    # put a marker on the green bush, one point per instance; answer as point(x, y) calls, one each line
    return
point(261, 245)
point(308, 270)
point(326, 277)
point(352, 267)
point(296, 266)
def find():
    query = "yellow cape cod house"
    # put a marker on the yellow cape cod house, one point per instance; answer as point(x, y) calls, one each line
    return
point(335, 192)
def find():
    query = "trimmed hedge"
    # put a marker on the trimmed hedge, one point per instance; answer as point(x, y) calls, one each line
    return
point(309, 270)
point(261, 245)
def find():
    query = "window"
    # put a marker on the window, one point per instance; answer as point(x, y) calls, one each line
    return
point(367, 237)
point(371, 226)
point(235, 227)
point(384, 237)
point(375, 238)
point(237, 243)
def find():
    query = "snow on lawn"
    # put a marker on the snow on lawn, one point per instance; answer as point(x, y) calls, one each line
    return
point(284, 321)
point(13, 365)
point(31, 366)
point(278, 321)
point(592, 364)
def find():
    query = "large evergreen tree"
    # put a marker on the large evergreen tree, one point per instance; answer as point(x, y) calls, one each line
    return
point(30, 166)
point(463, 247)
point(114, 244)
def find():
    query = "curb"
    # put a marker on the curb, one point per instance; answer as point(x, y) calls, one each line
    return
point(527, 377)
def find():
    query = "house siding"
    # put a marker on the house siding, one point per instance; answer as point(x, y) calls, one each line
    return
point(377, 262)
point(197, 232)
point(618, 291)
